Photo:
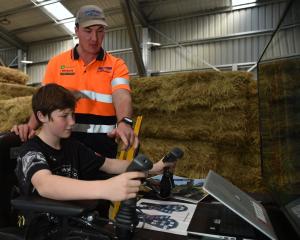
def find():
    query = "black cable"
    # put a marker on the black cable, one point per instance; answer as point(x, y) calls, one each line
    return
point(276, 29)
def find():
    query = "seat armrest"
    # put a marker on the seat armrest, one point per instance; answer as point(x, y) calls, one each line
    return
point(59, 208)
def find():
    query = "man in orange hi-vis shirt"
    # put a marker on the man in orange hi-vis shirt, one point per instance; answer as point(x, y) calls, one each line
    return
point(101, 83)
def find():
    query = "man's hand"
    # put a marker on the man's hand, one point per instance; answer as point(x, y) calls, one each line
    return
point(24, 131)
point(124, 186)
point(126, 134)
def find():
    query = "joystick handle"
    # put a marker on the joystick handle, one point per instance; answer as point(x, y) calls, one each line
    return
point(140, 164)
point(173, 155)
point(167, 182)
point(126, 219)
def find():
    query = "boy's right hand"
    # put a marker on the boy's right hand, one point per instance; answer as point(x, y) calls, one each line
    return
point(124, 186)
point(24, 131)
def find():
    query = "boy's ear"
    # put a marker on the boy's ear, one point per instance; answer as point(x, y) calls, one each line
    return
point(42, 117)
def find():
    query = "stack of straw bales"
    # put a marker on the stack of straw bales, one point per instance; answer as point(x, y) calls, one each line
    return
point(15, 98)
point(212, 116)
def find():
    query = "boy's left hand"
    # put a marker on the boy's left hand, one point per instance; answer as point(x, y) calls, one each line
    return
point(160, 165)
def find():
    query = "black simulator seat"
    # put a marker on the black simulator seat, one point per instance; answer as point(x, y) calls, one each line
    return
point(9, 143)
point(67, 219)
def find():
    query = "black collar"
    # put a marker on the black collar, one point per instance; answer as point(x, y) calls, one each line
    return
point(100, 56)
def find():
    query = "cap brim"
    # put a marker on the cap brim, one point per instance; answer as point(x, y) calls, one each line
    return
point(93, 22)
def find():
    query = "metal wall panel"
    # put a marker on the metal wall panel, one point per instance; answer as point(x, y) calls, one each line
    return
point(8, 55)
point(129, 59)
point(43, 52)
point(220, 24)
point(40, 55)
point(118, 39)
point(159, 9)
point(285, 43)
point(36, 73)
point(232, 37)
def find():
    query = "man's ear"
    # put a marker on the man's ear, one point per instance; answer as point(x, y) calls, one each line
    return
point(42, 117)
point(76, 30)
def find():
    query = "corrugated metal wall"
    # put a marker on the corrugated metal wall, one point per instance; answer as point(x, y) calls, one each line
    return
point(43, 52)
point(233, 37)
point(219, 38)
point(8, 56)
point(286, 42)
point(40, 55)
point(36, 73)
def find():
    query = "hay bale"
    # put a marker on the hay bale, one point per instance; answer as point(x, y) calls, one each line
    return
point(10, 75)
point(212, 116)
point(14, 111)
point(8, 91)
point(202, 125)
point(239, 165)
point(198, 157)
point(187, 91)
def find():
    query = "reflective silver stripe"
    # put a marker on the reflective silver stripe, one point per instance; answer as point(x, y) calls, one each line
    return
point(99, 97)
point(118, 81)
point(92, 128)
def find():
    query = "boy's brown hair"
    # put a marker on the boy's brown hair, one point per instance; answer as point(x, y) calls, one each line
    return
point(52, 97)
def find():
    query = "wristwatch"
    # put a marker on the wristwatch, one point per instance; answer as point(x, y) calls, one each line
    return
point(126, 120)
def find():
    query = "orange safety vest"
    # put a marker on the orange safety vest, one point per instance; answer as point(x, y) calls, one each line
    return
point(94, 82)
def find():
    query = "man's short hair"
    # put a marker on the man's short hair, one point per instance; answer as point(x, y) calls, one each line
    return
point(90, 15)
point(52, 97)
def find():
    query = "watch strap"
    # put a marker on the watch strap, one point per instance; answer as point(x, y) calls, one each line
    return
point(126, 120)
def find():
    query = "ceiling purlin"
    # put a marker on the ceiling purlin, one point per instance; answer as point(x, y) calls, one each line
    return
point(108, 12)
point(25, 8)
point(133, 37)
point(139, 13)
point(12, 39)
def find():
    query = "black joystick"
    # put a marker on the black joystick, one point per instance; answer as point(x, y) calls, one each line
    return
point(173, 155)
point(126, 219)
point(167, 182)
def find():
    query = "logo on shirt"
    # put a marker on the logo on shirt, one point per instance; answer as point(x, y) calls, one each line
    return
point(66, 70)
point(104, 69)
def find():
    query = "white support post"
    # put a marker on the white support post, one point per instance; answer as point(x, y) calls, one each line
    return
point(19, 58)
point(146, 54)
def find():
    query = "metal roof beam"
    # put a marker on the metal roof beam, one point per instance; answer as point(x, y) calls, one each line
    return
point(112, 11)
point(16, 10)
point(138, 13)
point(133, 37)
point(12, 40)
point(108, 12)
point(41, 25)
point(31, 6)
